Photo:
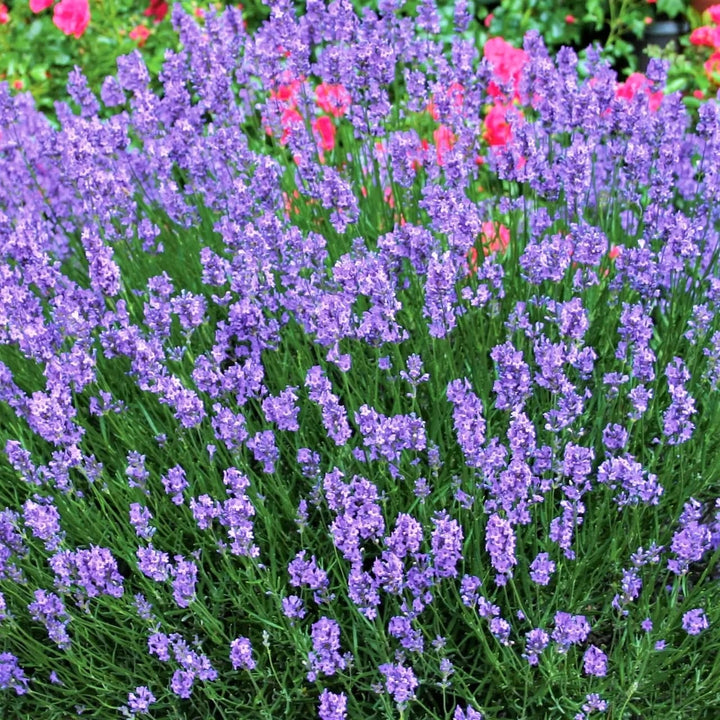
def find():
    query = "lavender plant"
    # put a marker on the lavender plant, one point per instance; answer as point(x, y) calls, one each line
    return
point(345, 378)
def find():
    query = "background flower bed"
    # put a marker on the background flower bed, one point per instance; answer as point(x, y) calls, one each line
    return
point(345, 377)
point(42, 40)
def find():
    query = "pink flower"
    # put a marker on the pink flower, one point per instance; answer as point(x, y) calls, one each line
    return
point(570, 19)
point(444, 139)
point(139, 33)
point(705, 35)
point(4, 16)
point(637, 82)
point(497, 128)
point(714, 13)
point(712, 68)
point(506, 61)
point(72, 16)
point(495, 237)
point(287, 92)
point(454, 94)
point(324, 132)
point(39, 5)
point(333, 99)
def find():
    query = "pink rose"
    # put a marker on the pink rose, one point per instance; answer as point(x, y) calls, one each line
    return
point(72, 16)
point(39, 5)
point(506, 61)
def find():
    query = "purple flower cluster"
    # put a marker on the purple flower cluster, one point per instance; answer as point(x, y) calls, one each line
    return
point(677, 425)
point(388, 437)
point(325, 657)
point(92, 572)
point(139, 702)
point(49, 609)
point(334, 415)
point(192, 665)
point(235, 514)
point(251, 309)
point(695, 621)
point(333, 706)
point(569, 630)
point(12, 675)
point(241, 654)
point(400, 682)
point(468, 420)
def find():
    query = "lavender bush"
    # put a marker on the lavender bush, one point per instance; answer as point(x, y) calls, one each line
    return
point(351, 375)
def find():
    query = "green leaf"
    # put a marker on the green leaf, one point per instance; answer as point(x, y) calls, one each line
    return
point(672, 8)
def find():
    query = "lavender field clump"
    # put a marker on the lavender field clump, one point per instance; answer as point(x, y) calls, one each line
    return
point(349, 373)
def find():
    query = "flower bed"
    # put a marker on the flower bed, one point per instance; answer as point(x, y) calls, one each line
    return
point(347, 375)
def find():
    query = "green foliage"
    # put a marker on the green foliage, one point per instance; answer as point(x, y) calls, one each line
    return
point(36, 56)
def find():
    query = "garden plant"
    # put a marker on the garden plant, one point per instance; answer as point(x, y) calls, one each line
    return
point(348, 371)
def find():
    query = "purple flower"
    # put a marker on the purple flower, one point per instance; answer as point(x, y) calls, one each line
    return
point(468, 420)
point(633, 484)
point(204, 510)
point(446, 543)
point(589, 244)
point(536, 640)
point(94, 570)
point(593, 702)
point(140, 700)
point(469, 586)
point(400, 682)
point(333, 706)
point(573, 319)
point(541, 568)
point(49, 609)
point(12, 675)
point(513, 386)
point(324, 657)
point(182, 683)
point(405, 539)
point(307, 573)
point(500, 628)
point(595, 662)
point(363, 590)
point(184, 576)
point(153, 563)
point(440, 295)
point(647, 625)
point(293, 607)
point(387, 437)
point(677, 426)
point(140, 517)
point(411, 639)
point(546, 260)
point(282, 410)
point(264, 449)
point(500, 543)
point(569, 630)
point(615, 437)
point(689, 543)
point(695, 621)
point(241, 654)
point(43, 519)
point(468, 714)
point(175, 483)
